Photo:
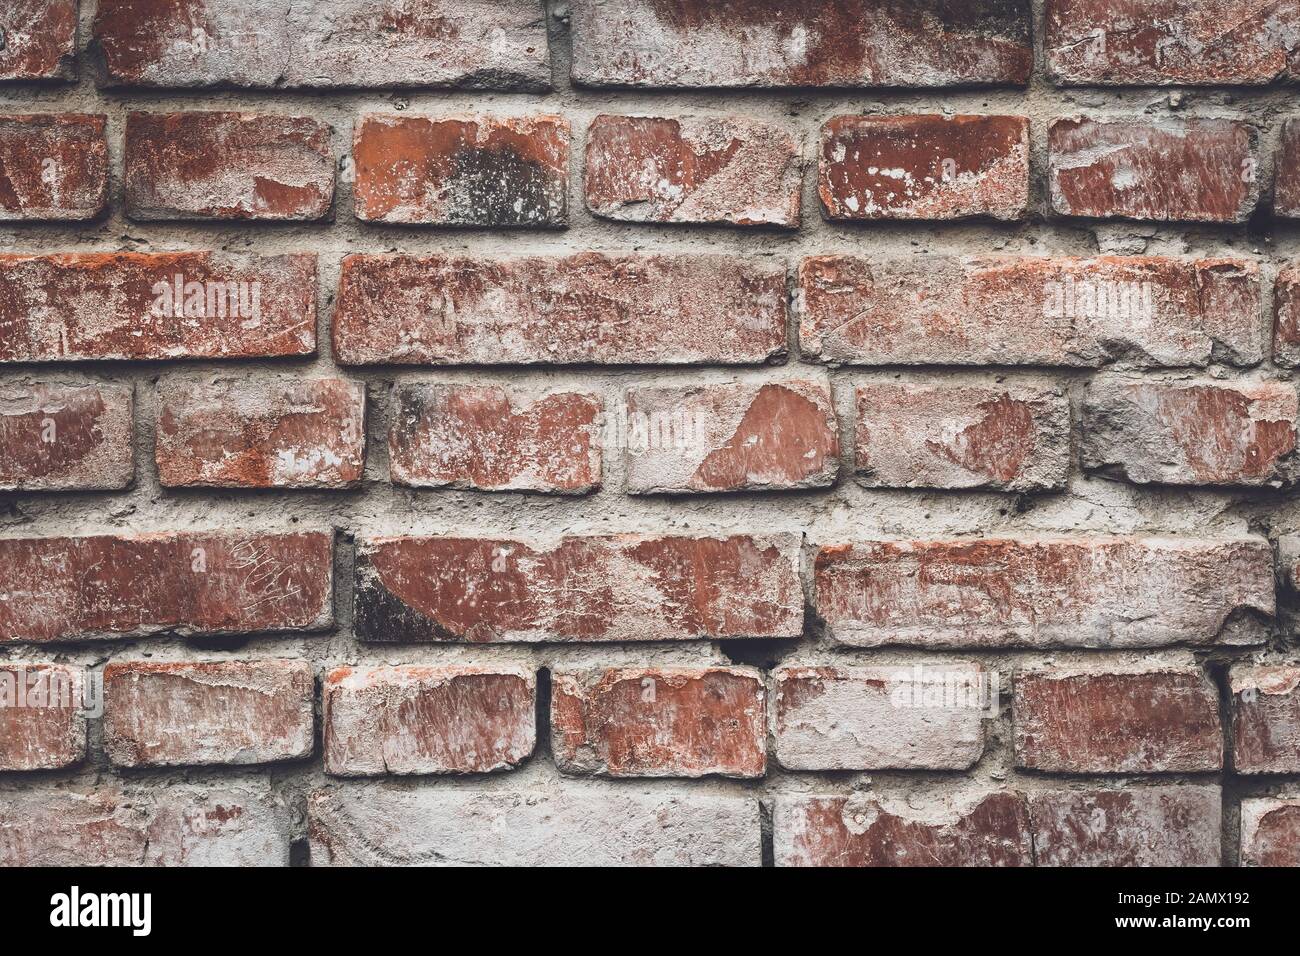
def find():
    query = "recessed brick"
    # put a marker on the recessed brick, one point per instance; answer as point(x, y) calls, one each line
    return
point(1286, 188)
point(1265, 718)
point(659, 722)
point(1270, 832)
point(1137, 826)
point(1286, 314)
point(412, 719)
point(42, 716)
point(633, 588)
point(57, 437)
point(53, 166)
point(40, 40)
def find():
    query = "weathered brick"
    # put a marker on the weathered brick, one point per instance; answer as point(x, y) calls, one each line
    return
point(728, 169)
point(1199, 170)
point(1076, 592)
point(195, 713)
point(984, 829)
point(473, 171)
point(102, 587)
point(228, 432)
point(57, 437)
point(1165, 42)
point(837, 43)
point(53, 166)
point(633, 588)
point(953, 435)
point(1103, 720)
point(1137, 826)
point(222, 165)
point(40, 40)
point(122, 305)
point(630, 310)
point(1270, 832)
point(1265, 718)
point(412, 719)
point(42, 716)
point(562, 827)
point(276, 44)
point(659, 722)
point(1286, 187)
point(495, 439)
point(750, 436)
point(1286, 315)
point(1013, 310)
point(920, 717)
point(924, 167)
point(1197, 432)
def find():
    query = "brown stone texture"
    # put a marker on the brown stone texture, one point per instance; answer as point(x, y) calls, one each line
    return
point(924, 167)
point(56, 437)
point(223, 165)
point(40, 40)
point(659, 722)
point(1136, 826)
point(493, 438)
point(1286, 187)
point(53, 166)
point(191, 583)
point(1286, 316)
point(1270, 832)
point(1265, 718)
point(729, 169)
point(1106, 592)
point(42, 722)
point(598, 588)
point(1200, 170)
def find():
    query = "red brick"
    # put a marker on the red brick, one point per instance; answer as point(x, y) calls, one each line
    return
point(284, 433)
point(276, 44)
point(942, 435)
point(214, 165)
point(196, 713)
point(632, 588)
point(924, 167)
point(837, 43)
point(53, 166)
point(1286, 313)
point(629, 310)
point(1137, 826)
point(1198, 432)
point(1201, 170)
point(750, 436)
point(1013, 310)
point(412, 719)
point(1286, 189)
point(1099, 720)
point(42, 716)
point(1166, 42)
point(920, 717)
point(40, 40)
point(106, 587)
point(659, 722)
point(57, 437)
point(1055, 592)
point(495, 439)
point(471, 171)
point(117, 305)
point(1270, 832)
point(986, 829)
point(1265, 718)
point(728, 169)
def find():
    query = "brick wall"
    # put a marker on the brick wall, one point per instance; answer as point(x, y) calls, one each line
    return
point(649, 431)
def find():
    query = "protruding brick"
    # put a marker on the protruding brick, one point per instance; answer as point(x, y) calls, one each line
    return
point(1286, 188)
point(65, 437)
point(740, 436)
point(919, 717)
point(1265, 718)
point(1013, 310)
point(495, 439)
point(40, 40)
point(53, 166)
point(1137, 826)
point(952, 435)
point(730, 169)
point(214, 165)
point(1200, 170)
point(106, 587)
point(277, 44)
point(42, 716)
point(1055, 592)
point(124, 305)
point(924, 167)
point(632, 588)
point(1270, 832)
point(836, 43)
point(1286, 314)
point(1197, 432)
point(285, 433)
point(622, 310)
point(412, 719)
point(659, 722)
point(983, 829)
point(1104, 720)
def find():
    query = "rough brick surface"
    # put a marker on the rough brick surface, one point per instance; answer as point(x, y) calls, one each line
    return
point(1265, 718)
point(1270, 832)
point(42, 718)
point(1136, 826)
point(53, 166)
point(63, 437)
point(40, 40)
point(1286, 315)
point(1286, 191)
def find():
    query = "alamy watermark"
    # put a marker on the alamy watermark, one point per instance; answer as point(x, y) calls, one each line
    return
point(931, 687)
point(209, 299)
point(52, 688)
point(1073, 298)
